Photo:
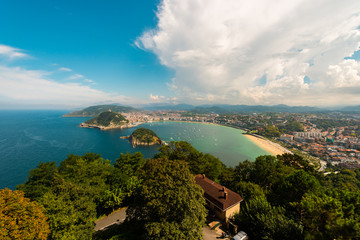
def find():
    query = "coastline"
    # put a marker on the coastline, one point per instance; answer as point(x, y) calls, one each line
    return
point(85, 125)
point(271, 147)
point(268, 145)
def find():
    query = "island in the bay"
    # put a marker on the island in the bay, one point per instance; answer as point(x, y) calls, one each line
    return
point(107, 120)
point(144, 136)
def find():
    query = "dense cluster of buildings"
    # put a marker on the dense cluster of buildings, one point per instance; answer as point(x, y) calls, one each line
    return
point(337, 145)
point(139, 117)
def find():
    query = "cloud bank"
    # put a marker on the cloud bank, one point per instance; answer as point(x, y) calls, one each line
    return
point(35, 88)
point(21, 87)
point(259, 52)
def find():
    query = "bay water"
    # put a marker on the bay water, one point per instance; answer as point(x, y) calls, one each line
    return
point(28, 137)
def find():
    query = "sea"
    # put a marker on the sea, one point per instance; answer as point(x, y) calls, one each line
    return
point(28, 137)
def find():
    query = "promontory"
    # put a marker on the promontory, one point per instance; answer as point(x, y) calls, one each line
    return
point(94, 111)
point(144, 136)
point(107, 120)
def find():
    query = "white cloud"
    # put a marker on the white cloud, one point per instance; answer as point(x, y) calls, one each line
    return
point(346, 74)
point(221, 49)
point(156, 98)
point(64, 69)
point(10, 52)
point(89, 81)
point(26, 87)
point(20, 87)
point(76, 76)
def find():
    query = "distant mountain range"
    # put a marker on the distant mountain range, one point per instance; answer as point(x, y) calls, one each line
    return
point(174, 107)
point(218, 109)
point(351, 109)
point(224, 108)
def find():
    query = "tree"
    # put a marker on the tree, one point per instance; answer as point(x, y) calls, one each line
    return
point(20, 218)
point(263, 221)
point(89, 171)
point(70, 210)
point(293, 126)
point(294, 187)
point(321, 216)
point(267, 171)
point(168, 204)
point(119, 193)
point(129, 163)
point(198, 162)
point(39, 180)
point(178, 151)
point(272, 131)
point(242, 171)
point(297, 162)
point(248, 190)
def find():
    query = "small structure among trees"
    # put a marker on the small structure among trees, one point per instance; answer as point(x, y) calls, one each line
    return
point(224, 202)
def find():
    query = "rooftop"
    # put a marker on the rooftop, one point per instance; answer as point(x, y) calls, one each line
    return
point(215, 193)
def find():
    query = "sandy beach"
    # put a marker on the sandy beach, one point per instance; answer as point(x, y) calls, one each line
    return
point(269, 146)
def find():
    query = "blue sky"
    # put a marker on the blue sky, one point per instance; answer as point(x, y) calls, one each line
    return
point(71, 54)
point(94, 39)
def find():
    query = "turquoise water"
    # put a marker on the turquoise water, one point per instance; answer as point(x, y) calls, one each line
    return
point(28, 137)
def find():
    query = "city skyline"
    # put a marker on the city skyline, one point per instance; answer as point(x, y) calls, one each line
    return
point(63, 54)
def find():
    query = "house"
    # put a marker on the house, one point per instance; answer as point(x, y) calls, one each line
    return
point(221, 200)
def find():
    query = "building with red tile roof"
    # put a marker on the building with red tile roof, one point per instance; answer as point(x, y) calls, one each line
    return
point(221, 200)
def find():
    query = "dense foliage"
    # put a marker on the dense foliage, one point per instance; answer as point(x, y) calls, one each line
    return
point(198, 162)
point(145, 135)
point(271, 131)
point(292, 126)
point(21, 218)
point(81, 189)
point(285, 197)
point(168, 204)
point(107, 118)
point(331, 123)
point(93, 111)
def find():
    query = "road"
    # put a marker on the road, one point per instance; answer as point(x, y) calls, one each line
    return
point(114, 218)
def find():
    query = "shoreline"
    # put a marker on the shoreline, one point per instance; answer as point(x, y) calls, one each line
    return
point(85, 125)
point(268, 145)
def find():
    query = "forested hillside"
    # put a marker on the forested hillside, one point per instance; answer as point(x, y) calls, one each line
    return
point(107, 118)
point(93, 111)
point(284, 196)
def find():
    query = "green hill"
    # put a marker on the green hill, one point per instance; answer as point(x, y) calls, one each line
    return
point(144, 136)
point(93, 111)
point(107, 118)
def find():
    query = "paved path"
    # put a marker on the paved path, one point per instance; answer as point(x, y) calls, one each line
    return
point(209, 234)
point(114, 218)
